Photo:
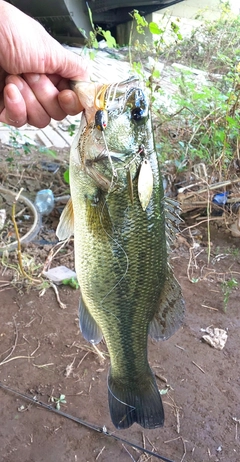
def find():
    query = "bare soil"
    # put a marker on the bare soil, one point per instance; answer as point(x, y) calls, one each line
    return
point(43, 355)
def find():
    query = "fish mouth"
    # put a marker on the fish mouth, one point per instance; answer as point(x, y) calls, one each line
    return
point(95, 96)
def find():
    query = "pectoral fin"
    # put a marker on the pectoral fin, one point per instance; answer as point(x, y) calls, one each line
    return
point(89, 328)
point(170, 315)
point(65, 227)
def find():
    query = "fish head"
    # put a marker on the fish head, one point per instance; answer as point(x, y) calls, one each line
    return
point(115, 135)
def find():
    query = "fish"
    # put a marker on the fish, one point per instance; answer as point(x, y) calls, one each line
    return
point(117, 214)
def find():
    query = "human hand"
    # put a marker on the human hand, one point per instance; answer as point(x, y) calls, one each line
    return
point(34, 72)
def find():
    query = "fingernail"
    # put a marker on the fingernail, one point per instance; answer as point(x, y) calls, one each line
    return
point(32, 78)
point(12, 92)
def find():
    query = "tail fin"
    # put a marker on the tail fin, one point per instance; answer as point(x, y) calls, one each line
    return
point(139, 402)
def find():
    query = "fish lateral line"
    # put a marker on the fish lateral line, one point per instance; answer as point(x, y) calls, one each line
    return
point(120, 246)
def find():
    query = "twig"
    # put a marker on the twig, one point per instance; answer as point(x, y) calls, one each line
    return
point(184, 448)
point(15, 357)
point(180, 348)
point(36, 349)
point(128, 452)
point(209, 307)
point(6, 288)
point(80, 362)
point(61, 304)
point(237, 421)
point(14, 345)
point(100, 354)
point(100, 453)
point(161, 377)
point(53, 254)
point(183, 442)
point(199, 367)
point(43, 365)
point(176, 413)
point(69, 368)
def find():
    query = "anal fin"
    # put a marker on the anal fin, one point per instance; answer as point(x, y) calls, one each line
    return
point(89, 328)
point(170, 314)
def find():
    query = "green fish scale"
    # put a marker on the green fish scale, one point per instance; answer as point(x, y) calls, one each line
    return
point(121, 263)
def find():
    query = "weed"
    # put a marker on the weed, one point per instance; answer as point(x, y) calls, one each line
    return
point(58, 401)
point(96, 32)
point(21, 143)
point(205, 112)
point(227, 288)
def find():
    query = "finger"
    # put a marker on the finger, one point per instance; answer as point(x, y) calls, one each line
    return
point(46, 93)
point(70, 65)
point(2, 85)
point(14, 112)
point(36, 114)
point(69, 102)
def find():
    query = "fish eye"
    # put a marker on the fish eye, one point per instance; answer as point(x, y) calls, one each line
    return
point(137, 114)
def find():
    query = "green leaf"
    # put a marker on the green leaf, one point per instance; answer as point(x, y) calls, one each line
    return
point(66, 176)
point(72, 282)
point(154, 29)
point(93, 40)
point(92, 55)
point(140, 20)
point(111, 42)
point(156, 74)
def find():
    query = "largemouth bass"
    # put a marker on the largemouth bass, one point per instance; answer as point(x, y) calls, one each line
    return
point(117, 214)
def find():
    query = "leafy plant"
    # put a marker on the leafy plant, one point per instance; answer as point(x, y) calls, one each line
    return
point(20, 142)
point(58, 401)
point(227, 288)
point(92, 42)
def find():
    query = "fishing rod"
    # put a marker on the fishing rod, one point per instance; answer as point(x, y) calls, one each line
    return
point(96, 428)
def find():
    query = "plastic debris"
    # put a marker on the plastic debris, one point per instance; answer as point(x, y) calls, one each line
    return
point(215, 337)
point(220, 199)
point(3, 216)
point(60, 274)
point(44, 201)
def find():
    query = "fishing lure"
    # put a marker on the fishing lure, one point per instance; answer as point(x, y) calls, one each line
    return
point(145, 180)
point(101, 119)
point(101, 115)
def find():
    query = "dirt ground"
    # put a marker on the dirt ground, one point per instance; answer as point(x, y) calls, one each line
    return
point(43, 355)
